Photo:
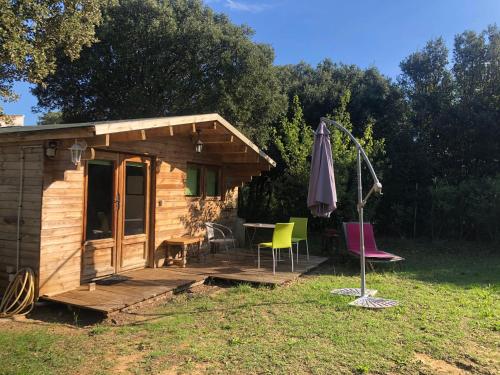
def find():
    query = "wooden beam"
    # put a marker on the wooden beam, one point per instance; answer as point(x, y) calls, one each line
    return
point(225, 149)
point(249, 157)
point(216, 138)
point(70, 133)
point(88, 154)
point(138, 135)
point(98, 141)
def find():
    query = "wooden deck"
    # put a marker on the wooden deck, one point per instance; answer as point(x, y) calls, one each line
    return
point(135, 287)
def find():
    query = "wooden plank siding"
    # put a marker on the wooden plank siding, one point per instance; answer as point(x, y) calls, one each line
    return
point(10, 164)
point(62, 223)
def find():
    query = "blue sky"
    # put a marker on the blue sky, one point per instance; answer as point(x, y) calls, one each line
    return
point(363, 32)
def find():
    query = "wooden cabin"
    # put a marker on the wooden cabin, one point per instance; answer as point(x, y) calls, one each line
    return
point(138, 183)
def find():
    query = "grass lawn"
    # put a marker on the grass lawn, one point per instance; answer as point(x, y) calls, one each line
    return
point(448, 321)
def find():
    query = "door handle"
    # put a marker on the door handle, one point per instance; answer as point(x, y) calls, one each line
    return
point(117, 201)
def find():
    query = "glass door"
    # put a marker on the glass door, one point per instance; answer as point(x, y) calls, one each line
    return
point(101, 206)
point(134, 223)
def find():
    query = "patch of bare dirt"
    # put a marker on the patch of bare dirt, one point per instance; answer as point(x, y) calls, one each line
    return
point(438, 366)
point(145, 312)
point(123, 363)
point(199, 369)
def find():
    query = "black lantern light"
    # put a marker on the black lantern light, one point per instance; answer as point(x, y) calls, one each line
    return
point(198, 146)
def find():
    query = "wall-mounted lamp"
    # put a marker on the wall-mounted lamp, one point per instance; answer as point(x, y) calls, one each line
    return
point(51, 149)
point(76, 151)
point(198, 146)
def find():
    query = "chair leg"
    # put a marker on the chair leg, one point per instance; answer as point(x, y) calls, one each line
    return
point(291, 256)
point(307, 249)
point(274, 262)
point(370, 265)
point(297, 243)
point(258, 257)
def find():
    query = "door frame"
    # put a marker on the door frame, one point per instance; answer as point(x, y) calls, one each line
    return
point(123, 159)
point(118, 220)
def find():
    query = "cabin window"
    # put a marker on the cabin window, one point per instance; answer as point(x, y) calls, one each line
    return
point(202, 181)
point(135, 198)
point(211, 182)
point(193, 181)
point(99, 199)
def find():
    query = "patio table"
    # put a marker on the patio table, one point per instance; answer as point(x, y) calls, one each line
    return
point(256, 226)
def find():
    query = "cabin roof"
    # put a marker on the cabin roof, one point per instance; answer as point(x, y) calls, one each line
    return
point(99, 128)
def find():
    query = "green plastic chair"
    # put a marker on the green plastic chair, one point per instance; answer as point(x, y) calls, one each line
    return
point(299, 233)
point(282, 239)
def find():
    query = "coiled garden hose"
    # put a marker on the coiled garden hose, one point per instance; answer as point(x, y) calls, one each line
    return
point(19, 297)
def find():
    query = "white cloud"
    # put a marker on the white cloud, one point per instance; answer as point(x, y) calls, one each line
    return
point(246, 7)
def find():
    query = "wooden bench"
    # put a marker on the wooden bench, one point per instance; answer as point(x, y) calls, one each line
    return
point(183, 243)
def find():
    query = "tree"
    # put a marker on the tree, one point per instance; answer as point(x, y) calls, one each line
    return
point(50, 118)
point(293, 139)
point(345, 158)
point(163, 58)
point(476, 128)
point(32, 31)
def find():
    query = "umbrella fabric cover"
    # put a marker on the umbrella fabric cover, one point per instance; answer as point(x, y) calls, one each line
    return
point(322, 196)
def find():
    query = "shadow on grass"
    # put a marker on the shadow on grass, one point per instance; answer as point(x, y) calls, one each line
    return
point(50, 312)
point(151, 317)
point(464, 264)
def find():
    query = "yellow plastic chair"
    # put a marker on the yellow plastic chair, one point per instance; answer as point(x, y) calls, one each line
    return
point(282, 239)
point(299, 233)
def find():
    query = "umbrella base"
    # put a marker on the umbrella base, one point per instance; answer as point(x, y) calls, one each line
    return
point(354, 292)
point(374, 303)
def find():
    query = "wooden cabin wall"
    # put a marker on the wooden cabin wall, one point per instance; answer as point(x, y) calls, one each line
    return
point(176, 214)
point(10, 163)
point(61, 225)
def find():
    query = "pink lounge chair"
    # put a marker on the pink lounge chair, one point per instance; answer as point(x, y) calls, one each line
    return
point(372, 253)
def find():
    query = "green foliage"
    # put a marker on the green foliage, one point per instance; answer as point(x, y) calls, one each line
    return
point(345, 159)
point(32, 32)
point(468, 210)
point(293, 139)
point(50, 118)
point(158, 58)
point(451, 135)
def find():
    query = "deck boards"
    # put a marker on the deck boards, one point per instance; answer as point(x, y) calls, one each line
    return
point(140, 285)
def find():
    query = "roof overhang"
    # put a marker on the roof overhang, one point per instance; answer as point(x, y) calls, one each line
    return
point(220, 136)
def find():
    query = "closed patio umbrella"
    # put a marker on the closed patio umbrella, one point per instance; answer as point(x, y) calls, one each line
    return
point(322, 196)
point(322, 200)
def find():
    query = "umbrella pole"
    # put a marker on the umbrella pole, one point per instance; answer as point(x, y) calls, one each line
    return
point(361, 227)
point(366, 298)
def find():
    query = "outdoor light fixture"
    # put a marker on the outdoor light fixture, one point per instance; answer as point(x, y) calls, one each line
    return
point(51, 149)
point(76, 151)
point(198, 146)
